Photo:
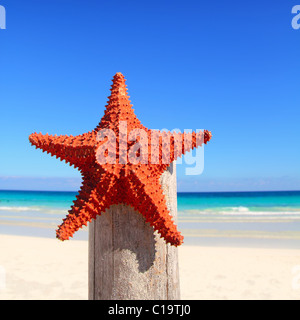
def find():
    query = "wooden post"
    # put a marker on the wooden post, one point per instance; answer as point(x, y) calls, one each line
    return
point(127, 259)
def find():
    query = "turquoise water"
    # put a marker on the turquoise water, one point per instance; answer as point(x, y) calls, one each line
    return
point(215, 218)
point(255, 201)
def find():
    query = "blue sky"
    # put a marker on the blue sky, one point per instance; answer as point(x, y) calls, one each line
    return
point(227, 66)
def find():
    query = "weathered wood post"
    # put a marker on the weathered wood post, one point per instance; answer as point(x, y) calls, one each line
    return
point(127, 259)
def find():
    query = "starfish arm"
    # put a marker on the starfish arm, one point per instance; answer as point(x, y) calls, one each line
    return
point(167, 146)
point(91, 201)
point(74, 150)
point(150, 201)
point(185, 142)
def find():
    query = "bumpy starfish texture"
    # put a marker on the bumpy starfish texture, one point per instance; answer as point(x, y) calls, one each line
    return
point(118, 180)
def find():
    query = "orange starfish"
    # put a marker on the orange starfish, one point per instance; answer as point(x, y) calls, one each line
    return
point(118, 167)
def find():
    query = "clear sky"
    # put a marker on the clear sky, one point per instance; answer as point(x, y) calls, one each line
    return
point(230, 67)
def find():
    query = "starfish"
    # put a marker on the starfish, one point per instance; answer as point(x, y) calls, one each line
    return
point(120, 168)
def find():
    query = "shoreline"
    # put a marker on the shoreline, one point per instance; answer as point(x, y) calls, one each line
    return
point(199, 239)
point(43, 268)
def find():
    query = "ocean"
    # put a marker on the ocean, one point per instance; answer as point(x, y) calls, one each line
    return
point(256, 219)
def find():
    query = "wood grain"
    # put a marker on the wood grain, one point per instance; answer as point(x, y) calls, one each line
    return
point(127, 259)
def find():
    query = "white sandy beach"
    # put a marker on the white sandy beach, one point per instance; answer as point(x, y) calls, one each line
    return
point(41, 268)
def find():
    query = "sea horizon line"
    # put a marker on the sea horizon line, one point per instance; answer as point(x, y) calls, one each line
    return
point(233, 191)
